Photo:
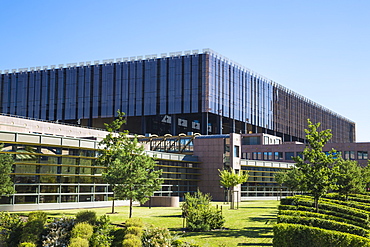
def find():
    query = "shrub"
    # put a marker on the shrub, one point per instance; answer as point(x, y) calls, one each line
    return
point(37, 215)
point(82, 230)
point(134, 222)
point(78, 242)
point(325, 224)
point(192, 201)
point(291, 235)
point(138, 231)
point(199, 214)
point(323, 216)
point(34, 227)
point(359, 221)
point(57, 233)
point(156, 236)
point(204, 218)
point(306, 201)
point(86, 216)
point(27, 244)
point(118, 235)
point(131, 241)
point(11, 226)
point(102, 236)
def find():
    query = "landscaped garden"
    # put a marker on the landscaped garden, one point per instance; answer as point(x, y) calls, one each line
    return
point(250, 225)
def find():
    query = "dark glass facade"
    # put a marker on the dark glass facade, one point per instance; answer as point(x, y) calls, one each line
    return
point(174, 94)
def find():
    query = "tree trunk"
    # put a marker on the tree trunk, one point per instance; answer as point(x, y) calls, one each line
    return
point(113, 204)
point(316, 202)
point(130, 215)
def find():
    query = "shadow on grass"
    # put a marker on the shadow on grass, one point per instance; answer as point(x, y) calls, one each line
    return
point(254, 244)
point(250, 232)
point(260, 236)
point(169, 216)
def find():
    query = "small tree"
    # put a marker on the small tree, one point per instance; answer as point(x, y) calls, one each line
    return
point(230, 179)
point(6, 184)
point(130, 171)
point(319, 169)
point(280, 178)
point(350, 178)
point(294, 180)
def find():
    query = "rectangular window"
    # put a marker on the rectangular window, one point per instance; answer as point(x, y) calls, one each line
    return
point(289, 155)
point(278, 155)
point(236, 151)
point(362, 155)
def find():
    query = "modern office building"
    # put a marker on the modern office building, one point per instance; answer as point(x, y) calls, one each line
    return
point(55, 164)
point(200, 92)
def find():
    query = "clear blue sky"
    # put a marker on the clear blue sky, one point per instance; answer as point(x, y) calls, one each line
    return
point(317, 48)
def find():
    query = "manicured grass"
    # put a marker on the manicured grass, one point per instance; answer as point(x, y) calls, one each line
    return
point(250, 225)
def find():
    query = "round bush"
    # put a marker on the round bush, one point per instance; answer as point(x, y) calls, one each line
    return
point(82, 230)
point(27, 244)
point(138, 231)
point(131, 241)
point(86, 216)
point(79, 242)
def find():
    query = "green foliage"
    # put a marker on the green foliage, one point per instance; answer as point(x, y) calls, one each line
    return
point(350, 178)
point(118, 235)
point(180, 243)
point(11, 226)
point(102, 236)
point(131, 241)
point(6, 184)
point(82, 230)
point(324, 224)
point(362, 222)
point(138, 231)
point(292, 235)
point(204, 218)
point(156, 236)
point(34, 227)
point(304, 201)
point(134, 222)
point(319, 169)
point(131, 172)
point(323, 215)
point(230, 179)
point(58, 232)
point(280, 177)
point(78, 242)
point(86, 216)
point(27, 244)
point(199, 214)
point(193, 200)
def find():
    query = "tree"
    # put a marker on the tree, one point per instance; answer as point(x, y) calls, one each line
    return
point(350, 179)
point(230, 179)
point(294, 180)
point(280, 178)
point(6, 184)
point(130, 172)
point(319, 169)
point(365, 171)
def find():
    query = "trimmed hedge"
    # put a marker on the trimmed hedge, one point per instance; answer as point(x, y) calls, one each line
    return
point(361, 221)
point(326, 206)
point(292, 235)
point(353, 204)
point(322, 216)
point(324, 223)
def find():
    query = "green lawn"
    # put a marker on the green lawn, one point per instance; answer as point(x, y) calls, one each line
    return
point(250, 225)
